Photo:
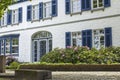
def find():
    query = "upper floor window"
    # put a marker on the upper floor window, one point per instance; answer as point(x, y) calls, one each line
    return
point(75, 6)
point(4, 19)
point(42, 10)
point(15, 16)
point(97, 4)
point(11, 17)
point(35, 12)
point(47, 10)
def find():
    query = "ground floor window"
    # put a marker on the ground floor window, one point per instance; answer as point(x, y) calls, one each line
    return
point(9, 44)
point(76, 39)
point(41, 44)
point(96, 38)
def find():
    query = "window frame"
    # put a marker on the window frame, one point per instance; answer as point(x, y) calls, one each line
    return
point(71, 7)
point(35, 11)
point(97, 8)
point(50, 6)
point(15, 17)
point(76, 37)
point(4, 17)
point(16, 45)
point(99, 35)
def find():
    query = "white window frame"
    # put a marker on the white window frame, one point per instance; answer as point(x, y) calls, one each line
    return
point(2, 46)
point(79, 11)
point(4, 20)
point(35, 12)
point(96, 38)
point(15, 16)
point(15, 45)
point(44, 11)
point(97, 5)
point(7, 46)
point(77, 37)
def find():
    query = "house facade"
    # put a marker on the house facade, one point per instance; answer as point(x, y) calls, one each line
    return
point(30, 29)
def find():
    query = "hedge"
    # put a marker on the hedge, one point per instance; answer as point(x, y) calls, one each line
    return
point(73, 67)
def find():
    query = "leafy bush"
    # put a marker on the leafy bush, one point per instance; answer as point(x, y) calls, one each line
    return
point(83, 55)
point(13, 65)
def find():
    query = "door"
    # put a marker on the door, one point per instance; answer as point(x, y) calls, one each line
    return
point(40, 48)
point(43, 47)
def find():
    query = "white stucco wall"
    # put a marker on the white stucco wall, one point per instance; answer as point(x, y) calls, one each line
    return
point(110, 17)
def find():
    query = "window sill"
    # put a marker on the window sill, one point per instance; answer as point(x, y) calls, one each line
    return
point(3, 26)
point(14, 24)
point(75, 13)
point(46, 18)
point(34, 20)
point(97, 9)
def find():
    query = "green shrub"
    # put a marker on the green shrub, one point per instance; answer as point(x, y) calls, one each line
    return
point(83, 55)
point(14, 65)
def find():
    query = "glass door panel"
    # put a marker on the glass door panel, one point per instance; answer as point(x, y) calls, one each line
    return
point(35, 50)
point(43, 47)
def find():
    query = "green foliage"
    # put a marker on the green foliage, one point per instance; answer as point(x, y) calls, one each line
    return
point(83, 55)
point(13, 65)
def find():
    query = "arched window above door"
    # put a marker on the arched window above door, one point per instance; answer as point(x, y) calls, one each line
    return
point(42, 34)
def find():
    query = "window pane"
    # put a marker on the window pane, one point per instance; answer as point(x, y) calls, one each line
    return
point(35, 12)
point(100, 3)
point(15, 45)
point(47, 10)
point(94, 3)
point(76, 6)
point(15, 16)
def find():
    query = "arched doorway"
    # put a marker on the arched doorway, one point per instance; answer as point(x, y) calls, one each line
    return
point(41, 44)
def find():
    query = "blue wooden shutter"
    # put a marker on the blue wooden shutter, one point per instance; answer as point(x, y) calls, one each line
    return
point(67, 7)
point(9, 17)
point(29, 12)
point(89, 38)
point(83, 4)
point(86, 5)
point(20, 15)
point(40, 10)
point(108, 37)
point(68, 39)
point(54, 8)
point(107, 3)
point(84, 40)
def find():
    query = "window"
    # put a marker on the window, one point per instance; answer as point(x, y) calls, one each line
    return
point(35, 12)
point(99, 38)
point(47, 10)
point(4, 19)
point(15, 16)
point(76, 6)
point(7, 46)
point(97, 4)
point(76, 39)
point(2, 47)
point(15, 45)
